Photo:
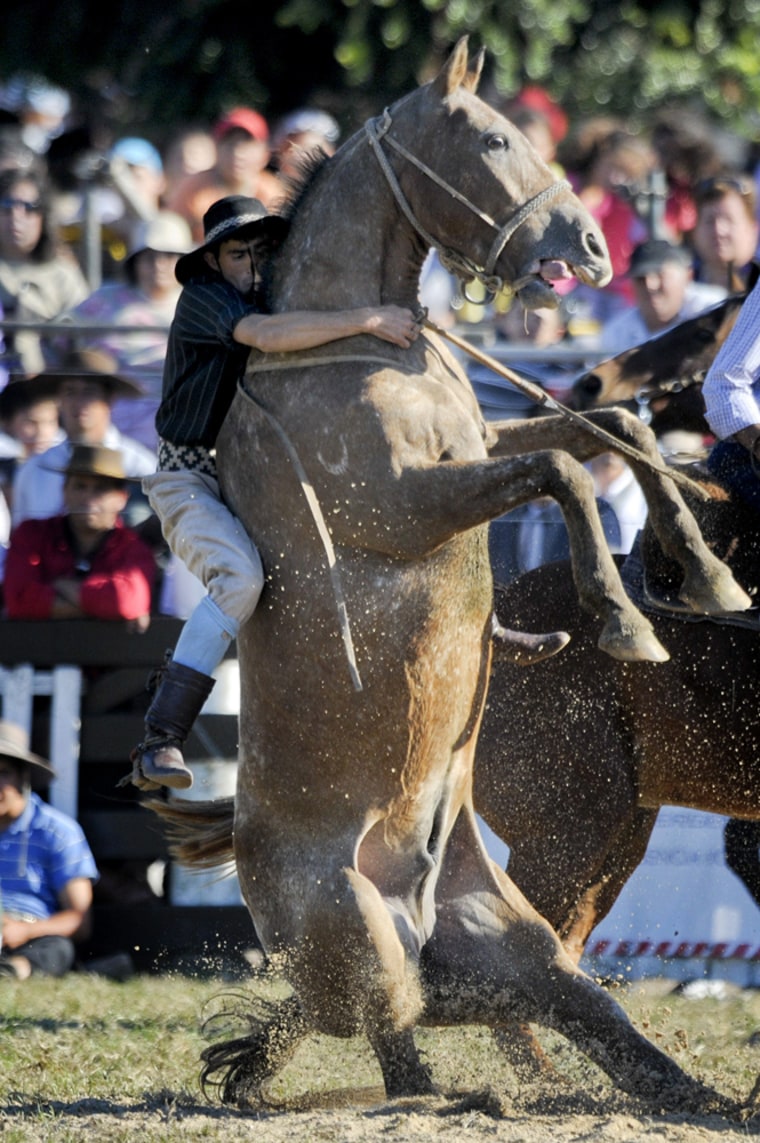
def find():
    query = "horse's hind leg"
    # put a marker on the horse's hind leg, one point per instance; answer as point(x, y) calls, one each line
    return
point(491, 959)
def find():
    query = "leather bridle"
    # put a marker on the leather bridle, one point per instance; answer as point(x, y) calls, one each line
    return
point(458, 264)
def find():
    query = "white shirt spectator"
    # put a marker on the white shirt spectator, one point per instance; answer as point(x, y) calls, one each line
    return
point(629, 328)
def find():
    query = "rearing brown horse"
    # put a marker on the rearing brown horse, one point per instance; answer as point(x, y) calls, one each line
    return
point(366, 476)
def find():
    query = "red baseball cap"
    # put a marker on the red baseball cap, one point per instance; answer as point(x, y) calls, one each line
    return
point(246, 119)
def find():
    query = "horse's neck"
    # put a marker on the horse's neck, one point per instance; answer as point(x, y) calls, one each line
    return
point(349, 245)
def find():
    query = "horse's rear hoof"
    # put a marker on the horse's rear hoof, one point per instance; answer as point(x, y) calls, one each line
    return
point(715, 595)
point(632, 645)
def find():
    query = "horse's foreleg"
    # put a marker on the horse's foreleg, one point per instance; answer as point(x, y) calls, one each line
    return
point(708, 585)
point(435, 504)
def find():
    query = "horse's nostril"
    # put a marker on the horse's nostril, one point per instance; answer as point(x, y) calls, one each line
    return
point(589, 386)
point(593, 246)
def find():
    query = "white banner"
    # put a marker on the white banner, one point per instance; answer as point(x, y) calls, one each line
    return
point(683, 913)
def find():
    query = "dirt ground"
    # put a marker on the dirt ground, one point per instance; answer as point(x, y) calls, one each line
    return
point(100, 1062)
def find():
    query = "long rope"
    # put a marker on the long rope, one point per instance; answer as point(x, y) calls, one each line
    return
point(316, 511)
point(541, 397)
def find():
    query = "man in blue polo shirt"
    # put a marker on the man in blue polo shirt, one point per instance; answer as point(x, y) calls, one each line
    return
point(46, 868)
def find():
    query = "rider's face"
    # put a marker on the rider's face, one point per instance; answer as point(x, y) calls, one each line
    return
point(236, 262)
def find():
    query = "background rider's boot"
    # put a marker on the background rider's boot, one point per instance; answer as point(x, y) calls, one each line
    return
point(524, 648)
point(158, 760)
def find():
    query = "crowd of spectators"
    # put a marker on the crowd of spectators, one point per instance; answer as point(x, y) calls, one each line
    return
point(93, 223)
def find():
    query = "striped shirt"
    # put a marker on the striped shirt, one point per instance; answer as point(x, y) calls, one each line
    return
point(40, 852)
point(203, 363)
point(732, 387)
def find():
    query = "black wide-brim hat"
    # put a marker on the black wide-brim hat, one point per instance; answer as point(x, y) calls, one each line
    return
point(232, 217)
point(23, 392)
point(90, 363)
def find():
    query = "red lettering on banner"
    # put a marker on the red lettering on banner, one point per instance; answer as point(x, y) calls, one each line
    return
point(599, 948)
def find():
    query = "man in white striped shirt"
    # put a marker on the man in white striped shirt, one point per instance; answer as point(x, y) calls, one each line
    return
point(732, 401)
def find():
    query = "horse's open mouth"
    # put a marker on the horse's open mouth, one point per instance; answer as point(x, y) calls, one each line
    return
point(536, 289)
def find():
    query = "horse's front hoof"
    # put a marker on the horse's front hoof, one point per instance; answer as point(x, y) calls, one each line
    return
point(714, 594)
point(632, 643)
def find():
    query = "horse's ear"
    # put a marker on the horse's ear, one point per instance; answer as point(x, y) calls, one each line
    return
point(453, 74)
point(473, 76)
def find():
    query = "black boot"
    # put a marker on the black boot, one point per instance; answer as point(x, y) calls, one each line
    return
point(523, 648)
point(178, 700)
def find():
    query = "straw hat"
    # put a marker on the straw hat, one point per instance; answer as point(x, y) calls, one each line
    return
point(14, 745)
point(95, 460)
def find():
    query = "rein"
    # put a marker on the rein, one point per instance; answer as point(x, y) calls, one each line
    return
point(541, 397)
point(462, 267)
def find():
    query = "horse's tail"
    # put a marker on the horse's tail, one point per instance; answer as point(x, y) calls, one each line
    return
point(199, 833)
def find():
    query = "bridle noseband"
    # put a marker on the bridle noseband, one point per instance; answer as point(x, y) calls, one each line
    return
point(458, 264)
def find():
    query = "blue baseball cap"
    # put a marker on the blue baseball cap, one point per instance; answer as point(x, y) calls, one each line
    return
point(138, 153)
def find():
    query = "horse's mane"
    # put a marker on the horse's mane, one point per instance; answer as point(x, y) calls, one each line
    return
point(297, 191)
point(730, 528)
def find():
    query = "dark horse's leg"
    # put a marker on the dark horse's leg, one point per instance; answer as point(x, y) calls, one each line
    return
point(741, 840)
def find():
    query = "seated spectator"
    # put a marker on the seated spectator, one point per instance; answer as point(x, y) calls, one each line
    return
point(84, 563)
point(148, 298)
point(607, 166)
point(615, 484)
point(46, 868)
point(190, 149)
point(665, 293)
point(242, 155)
point(39, 278)
point(687, 152)
point(725, 236)
point(40, 108)
point(87, 387)
point(30, 420)
point(298, 136)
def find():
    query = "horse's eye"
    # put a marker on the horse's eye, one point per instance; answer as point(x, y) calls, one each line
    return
point(497, 143)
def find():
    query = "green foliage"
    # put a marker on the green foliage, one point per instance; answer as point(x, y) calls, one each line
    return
point(149, 67)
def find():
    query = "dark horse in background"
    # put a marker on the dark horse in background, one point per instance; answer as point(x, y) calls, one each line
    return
point(661, 380)
point(577, 754)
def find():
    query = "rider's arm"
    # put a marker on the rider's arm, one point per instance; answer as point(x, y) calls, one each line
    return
point(732, 387)
point(285, 332)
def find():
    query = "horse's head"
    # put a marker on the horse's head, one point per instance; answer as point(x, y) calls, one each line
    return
point(682, 354)
point(474, 187)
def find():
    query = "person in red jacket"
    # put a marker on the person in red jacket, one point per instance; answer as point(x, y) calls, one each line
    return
point(85, 563)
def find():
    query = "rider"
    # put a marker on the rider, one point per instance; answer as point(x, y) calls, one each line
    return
point(217, 320)
point(732, 405)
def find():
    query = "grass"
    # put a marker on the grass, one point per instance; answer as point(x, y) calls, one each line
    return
point(88, 1058)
